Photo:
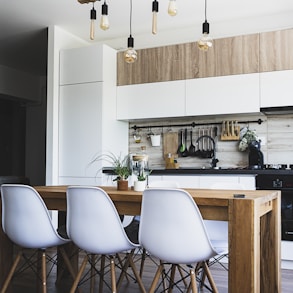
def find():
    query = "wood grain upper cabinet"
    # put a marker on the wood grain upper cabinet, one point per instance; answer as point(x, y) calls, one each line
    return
point(276, 88)
point(151, 100)
point(236, 55)
point(223, 95)
point(276, 50)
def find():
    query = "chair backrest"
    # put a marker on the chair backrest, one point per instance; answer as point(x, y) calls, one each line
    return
point(172, 227)
point(164, 183)
point(93, 223)
point(25, 217)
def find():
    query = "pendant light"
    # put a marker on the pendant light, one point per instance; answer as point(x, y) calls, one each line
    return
point(172, 8)
point(130, 55)
point(155, 9)
point(104, 23)
point(93, 17)
point(205, 41)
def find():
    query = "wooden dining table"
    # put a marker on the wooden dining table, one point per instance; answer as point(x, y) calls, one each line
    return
point(254, 230)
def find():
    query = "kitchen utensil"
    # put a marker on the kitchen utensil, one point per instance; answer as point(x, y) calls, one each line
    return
point(204, 153)
point(191, 150)
point(181, 147)
point(185, 152)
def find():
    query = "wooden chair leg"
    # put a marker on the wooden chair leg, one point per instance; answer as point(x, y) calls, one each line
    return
point(93, 261)
point(44, 274)
point(210, 278)
point(156, 278)
point(137, 276)
point(67, 262)
point(11, 272)
point(78, 276)
point(172, 277)
point(163, 273)
point(102, 271)
point(113, 277)
point(193, 281)
point(142, 261)
point(182, 275)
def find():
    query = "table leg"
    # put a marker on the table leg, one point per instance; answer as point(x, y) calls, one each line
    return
point(244, 247)
point(254, 247)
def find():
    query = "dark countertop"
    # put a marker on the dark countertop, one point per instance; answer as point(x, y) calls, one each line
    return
point(220, 171)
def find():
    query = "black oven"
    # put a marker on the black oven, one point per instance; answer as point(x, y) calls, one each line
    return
point(284, 183)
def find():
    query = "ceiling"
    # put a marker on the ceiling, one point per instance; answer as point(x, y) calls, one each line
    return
point(23, 24)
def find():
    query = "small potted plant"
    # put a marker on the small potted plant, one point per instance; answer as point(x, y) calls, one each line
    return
point(121, 168)
point(140, 183)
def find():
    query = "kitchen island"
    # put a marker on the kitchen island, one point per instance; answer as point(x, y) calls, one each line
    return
point(254, 230)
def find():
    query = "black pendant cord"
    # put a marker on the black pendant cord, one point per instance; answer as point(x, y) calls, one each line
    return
point(130, 19)
point(205, 10)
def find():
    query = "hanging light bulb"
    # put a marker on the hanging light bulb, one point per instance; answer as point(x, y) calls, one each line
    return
point(104, 23)
point(155, 10)
point(130, 55)
point(93, 17)
point(172, 8)
point(205, 42)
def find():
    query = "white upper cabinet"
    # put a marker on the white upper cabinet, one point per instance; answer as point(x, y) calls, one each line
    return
point(87, 113)
point(151, 100)
point(276, 88)
point(81, 65)
point(223, 95)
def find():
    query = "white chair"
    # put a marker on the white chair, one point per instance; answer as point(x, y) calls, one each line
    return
point(172, 229)
point(27, 223)
point(153, 184)
point(94, 225)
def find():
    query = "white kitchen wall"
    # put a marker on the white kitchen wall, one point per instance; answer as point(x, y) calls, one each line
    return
point(276, 133)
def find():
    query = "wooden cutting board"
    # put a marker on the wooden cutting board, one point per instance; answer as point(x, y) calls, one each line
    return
point(170, 143)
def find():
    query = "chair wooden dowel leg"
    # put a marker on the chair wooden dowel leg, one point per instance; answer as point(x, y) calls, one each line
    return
point(182, 275)
point(44, 274)
point(210, 278)
point(102, 271)
point(113, 277)
point(172, 276)
point(193, 281)
point(78, 276)
point(143, 256)
point(137, 276)
point(11, 272)
point(93, 261)
point(156, 278)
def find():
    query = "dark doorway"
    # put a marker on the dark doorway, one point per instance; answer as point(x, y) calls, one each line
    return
point(12, 141)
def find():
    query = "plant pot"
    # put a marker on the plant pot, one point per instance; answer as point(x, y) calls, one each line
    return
point(122, 184)
point(139, 185)
point(156, 140)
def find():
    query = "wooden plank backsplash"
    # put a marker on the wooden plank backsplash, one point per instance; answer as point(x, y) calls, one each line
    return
point(276, 131)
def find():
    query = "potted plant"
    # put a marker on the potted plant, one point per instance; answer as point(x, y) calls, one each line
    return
point(121, 168)
point(140, 183)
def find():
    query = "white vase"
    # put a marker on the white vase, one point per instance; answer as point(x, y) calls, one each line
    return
point(139, 185)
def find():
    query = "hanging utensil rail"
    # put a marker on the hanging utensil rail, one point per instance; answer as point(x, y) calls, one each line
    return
point(193, 124)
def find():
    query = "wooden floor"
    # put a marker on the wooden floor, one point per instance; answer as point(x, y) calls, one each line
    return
point(26, 282)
